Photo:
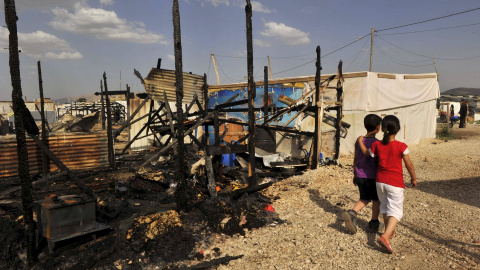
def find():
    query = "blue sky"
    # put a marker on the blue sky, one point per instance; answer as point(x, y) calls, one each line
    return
point(77, 40)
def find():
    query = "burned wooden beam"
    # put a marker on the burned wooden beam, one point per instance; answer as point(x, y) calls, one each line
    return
point(196, 141)
point(169, 112)
point(46, 122)
point(227, 149)
point(45, 161)
point(129, 120)
point(265, 92)
point(62, 167)
point(181, 192)
point(252, 180)
point(113, 93)
point(211, 185)
point(195, 98)
point(140, 131)
point(111, 150)
point(338, 123)
point(102, 115)
point(231, 104)
point(317, 137)
point(277, 128)
point(22, 151)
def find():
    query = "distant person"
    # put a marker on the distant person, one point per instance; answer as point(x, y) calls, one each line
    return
point(452, 111)
point(390, 185)
point(463, 113)
point(364, 175)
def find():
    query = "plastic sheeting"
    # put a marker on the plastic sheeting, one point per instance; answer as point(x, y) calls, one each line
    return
point(412, 98)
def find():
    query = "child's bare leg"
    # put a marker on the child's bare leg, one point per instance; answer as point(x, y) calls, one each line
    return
point(359, 206)
point(375, 210)
point(389, 228)
point(385, 220)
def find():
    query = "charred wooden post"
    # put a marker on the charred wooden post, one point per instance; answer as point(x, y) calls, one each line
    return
point(317, 134)
point(111, 151)
point(338, 123)
point(102, 114)
point(252, 179)
point(22, 151)
point(45, 160)
point(265, 93)
point(181, 193)
point(216, 127)
point(127, 98)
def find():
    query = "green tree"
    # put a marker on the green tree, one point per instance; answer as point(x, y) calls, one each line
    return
point(82, 99)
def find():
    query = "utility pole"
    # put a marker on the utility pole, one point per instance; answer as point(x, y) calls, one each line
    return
point(435, 65)
point(371, 49)
point(216, 71)
point(270, 68)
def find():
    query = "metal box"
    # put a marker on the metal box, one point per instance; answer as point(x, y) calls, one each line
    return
point(64, 217)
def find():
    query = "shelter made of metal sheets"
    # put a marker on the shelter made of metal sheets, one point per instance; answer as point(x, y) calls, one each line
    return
point(159, 80)
point(77, 150)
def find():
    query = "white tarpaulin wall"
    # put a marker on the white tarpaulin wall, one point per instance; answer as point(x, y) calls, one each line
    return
point(412, 98)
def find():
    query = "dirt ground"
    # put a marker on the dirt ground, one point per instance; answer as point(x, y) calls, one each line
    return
point(440, 228)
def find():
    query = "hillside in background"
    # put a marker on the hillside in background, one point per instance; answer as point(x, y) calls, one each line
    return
point(462, 91)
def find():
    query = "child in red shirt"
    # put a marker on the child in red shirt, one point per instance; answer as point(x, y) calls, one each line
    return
point(390, 185)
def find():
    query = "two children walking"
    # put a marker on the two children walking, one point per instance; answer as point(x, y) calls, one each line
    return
point(378, 174)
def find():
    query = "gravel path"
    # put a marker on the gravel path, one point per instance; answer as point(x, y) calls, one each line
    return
point(438, 230)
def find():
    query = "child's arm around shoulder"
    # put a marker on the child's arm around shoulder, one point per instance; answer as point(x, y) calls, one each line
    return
point(362, 146)
point(411, 170)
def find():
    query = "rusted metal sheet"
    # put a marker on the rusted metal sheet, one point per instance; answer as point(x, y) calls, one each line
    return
point(78, 151)
point(159, 80)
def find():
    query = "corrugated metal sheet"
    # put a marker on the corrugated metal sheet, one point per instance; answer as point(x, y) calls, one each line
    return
point(159, 80)
point(77, 150)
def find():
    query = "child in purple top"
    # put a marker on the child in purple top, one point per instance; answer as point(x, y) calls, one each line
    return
point(364, 175)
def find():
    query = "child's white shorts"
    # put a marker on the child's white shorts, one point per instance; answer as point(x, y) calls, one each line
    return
point(391, 200)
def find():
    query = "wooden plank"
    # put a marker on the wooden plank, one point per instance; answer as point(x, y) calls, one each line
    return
point(215, 88)
point(386, 76)
point(227, 149)
point(420, 76)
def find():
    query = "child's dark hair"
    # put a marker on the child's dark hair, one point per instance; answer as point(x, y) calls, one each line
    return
point(371, 122)
point(390, 125)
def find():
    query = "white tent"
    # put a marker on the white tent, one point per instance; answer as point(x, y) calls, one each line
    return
point(412, 98)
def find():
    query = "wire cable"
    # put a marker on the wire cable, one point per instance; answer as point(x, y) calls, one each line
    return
point(429, 20)
point(358, 39)
point(396, 61)
point(429, 30)
point(355, 59)
point(295, 67)
point(436, 58)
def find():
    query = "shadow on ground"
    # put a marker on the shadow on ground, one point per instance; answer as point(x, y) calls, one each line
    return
point(463, 190)
point(335, 209)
